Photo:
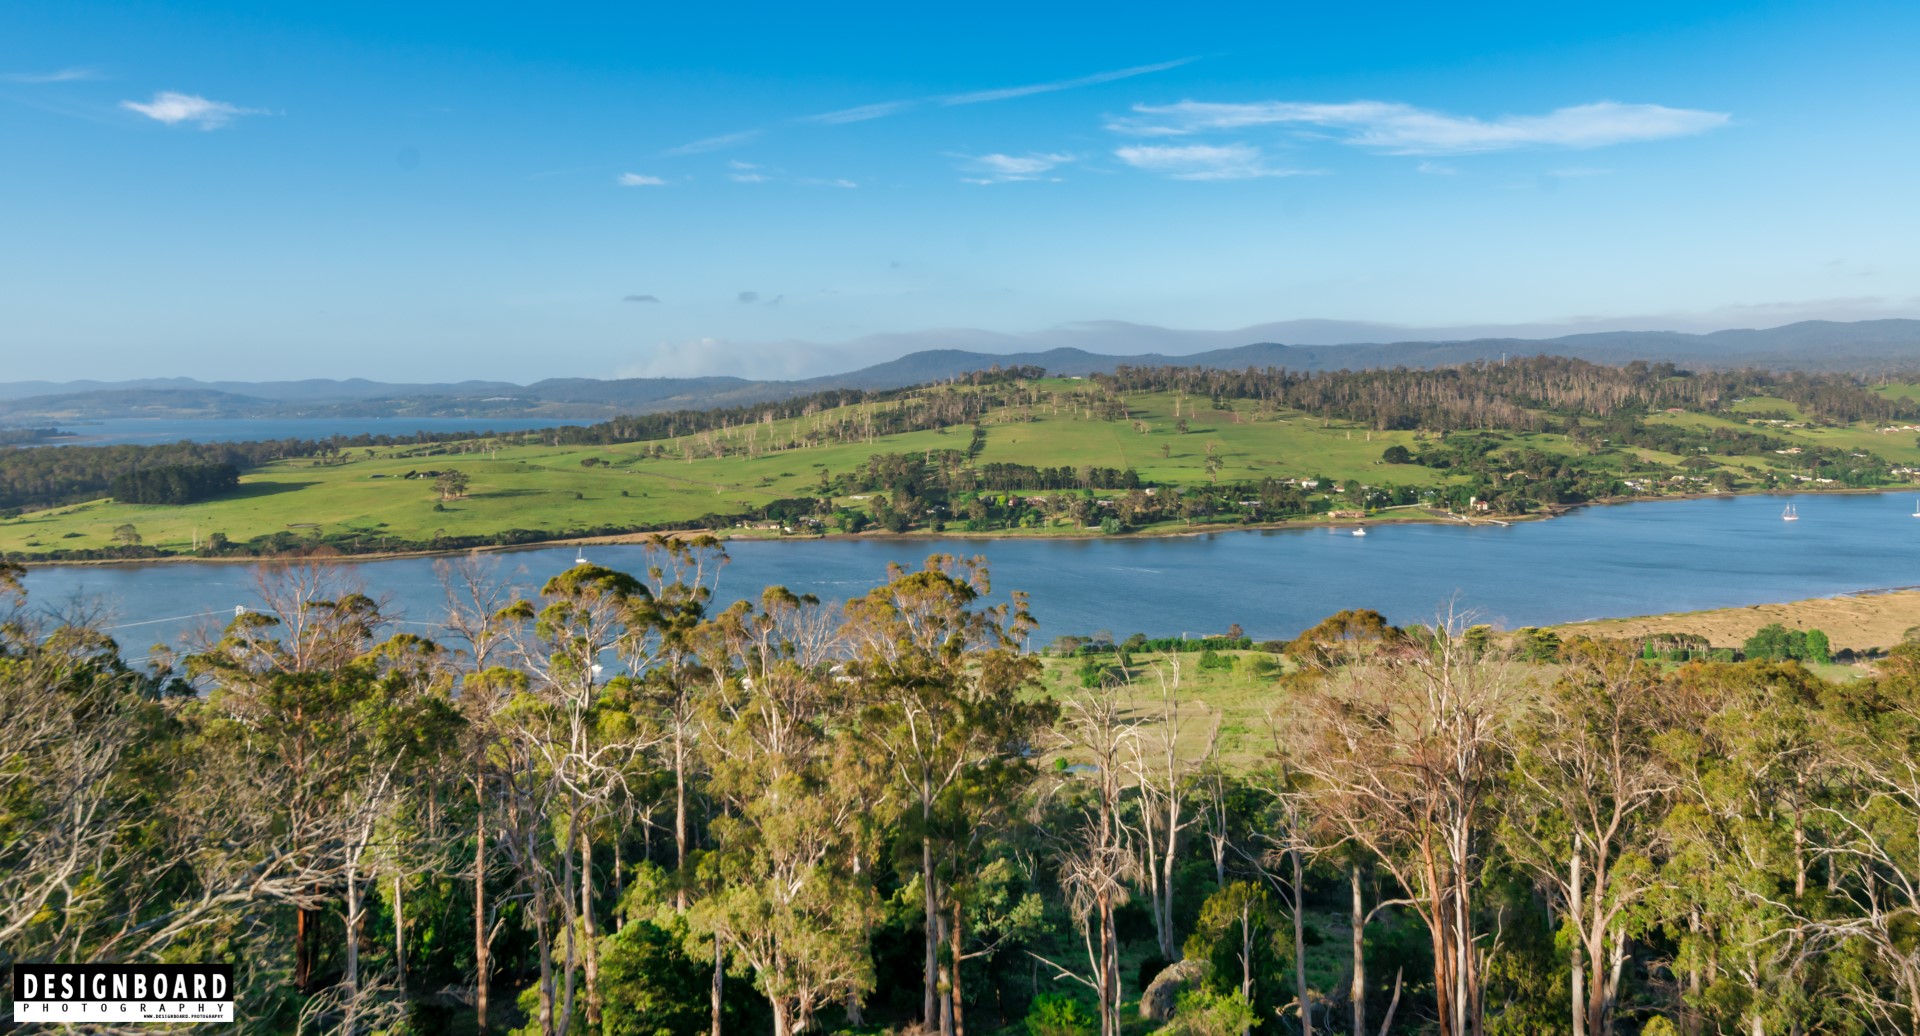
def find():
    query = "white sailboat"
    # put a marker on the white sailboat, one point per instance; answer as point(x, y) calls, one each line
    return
point(580, 556)
point(1916, 507)
point(1359, 532)
point(1788, 515)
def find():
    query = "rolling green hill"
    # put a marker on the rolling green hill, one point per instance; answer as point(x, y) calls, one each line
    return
point(1172, 460)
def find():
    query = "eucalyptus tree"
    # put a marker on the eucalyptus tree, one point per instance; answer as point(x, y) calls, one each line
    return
point(413, 727)
point(952, 711)
point(661, 652)
point(1737, 871)
point(86, 872)
point(1167, 783)
point(481, 615)
point(1404, 752)
point(1869, 833)
point(1590, 792)
point(287, 727)
point(1093, 854)
point(569, 764)
point(783, 900)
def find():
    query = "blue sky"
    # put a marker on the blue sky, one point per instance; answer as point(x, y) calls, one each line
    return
point(430, 192)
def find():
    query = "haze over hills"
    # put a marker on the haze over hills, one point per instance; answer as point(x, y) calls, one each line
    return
point(1866, 346)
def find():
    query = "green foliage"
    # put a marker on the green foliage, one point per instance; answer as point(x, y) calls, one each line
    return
point(1819, 651)
point(175, 484)
point(1342, 635)
point(1209, 1012)
point(831, 793)
point(1537, 645)
point(1238, 933)
point(1776, 643)
point(1058, 1014)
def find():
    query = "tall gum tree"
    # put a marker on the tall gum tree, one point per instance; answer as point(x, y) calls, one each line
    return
point(1403, 751)
point(1588, 789)
point(948, 705)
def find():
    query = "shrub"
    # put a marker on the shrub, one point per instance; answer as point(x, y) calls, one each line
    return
point(1057, 1014)
point(1201, 1013)
point(1211, 659)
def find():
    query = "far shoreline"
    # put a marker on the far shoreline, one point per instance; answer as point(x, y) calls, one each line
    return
point(1429, 517)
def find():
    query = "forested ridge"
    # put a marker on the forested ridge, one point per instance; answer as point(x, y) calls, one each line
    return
point(616, 808)
point(1499, 395)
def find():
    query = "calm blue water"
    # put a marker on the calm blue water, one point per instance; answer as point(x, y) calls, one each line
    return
point(1631, 559)
point(146, 431)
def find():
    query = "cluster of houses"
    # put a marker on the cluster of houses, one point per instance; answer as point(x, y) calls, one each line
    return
point(1683, 482)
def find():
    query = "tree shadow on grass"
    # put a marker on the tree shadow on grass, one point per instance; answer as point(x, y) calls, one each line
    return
point(256, 490)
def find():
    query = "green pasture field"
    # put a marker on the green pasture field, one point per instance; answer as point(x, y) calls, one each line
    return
point(519, 483)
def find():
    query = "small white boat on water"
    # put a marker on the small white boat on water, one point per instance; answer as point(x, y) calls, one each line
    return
point(1788, 515)
point(1916, 508)
point(580, 556)
point(1359, 532)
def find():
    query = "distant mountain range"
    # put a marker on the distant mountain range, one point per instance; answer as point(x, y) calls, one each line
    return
point(1868, 346)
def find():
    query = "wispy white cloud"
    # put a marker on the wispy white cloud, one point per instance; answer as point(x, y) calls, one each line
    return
point(747, 177)
point(1436, 169)
point(1405, 130)
point(1011, 92)
point(1578, 172)
point(724, 140)
point(860, 113)
point(882, 109)
point(1202, 161)
point(640, 180)
point(998, 168)
point(64, 75)
point(641, 298)
point(174, 108)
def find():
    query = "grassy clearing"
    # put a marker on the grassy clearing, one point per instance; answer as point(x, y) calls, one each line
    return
point(1235, 705)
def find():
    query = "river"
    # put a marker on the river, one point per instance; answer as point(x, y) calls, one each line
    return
point(1629, 559)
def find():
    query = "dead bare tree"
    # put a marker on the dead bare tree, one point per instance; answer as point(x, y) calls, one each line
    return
point(1165, 783)
point(1403, 751)
point(478, 617)
point(1096, 858)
